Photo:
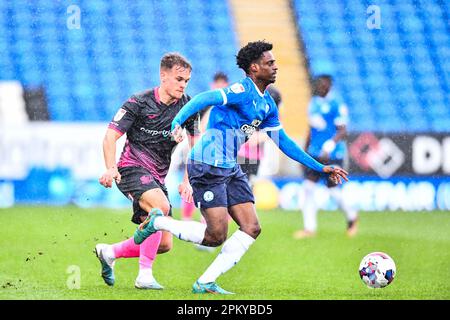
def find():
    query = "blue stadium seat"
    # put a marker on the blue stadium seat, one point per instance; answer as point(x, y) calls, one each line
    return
point(441, 124)
point(420, 124)
point(116, 51)
point(402, 67)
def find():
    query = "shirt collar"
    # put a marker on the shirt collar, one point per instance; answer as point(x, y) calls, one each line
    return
point(330, 96)
point(157, 95)
point(256, 87)
point(158, 99)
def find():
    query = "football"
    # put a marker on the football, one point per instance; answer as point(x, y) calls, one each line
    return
point(377, 270)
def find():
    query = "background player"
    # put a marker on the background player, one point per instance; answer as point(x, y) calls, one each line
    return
point(220, 187)
point(146, 118)
point(328, 118)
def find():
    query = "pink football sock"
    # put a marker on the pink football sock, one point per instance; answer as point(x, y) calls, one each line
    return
point(187, 210)
point(126, 249)
point(149, 249)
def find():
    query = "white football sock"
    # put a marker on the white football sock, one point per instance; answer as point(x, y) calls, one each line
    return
point(232, 251)
point(310, 206)
point(191, 231)
point(350, 213)
point(145, 274)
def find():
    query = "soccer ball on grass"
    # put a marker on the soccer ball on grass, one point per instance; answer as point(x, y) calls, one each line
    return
point(377, 270)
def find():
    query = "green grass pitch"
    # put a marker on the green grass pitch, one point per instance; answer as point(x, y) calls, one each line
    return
point(38, 246)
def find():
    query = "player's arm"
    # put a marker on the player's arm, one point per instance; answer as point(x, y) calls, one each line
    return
point(341, 133)
point(275, 131)
point(185, 189)
point(193, 134)
point(340, 122)
point(329, 145)
point(257, 138)
point(295, 152)
point(119, 125)
point(226, 96)
point(195, 105)
point(109, 154)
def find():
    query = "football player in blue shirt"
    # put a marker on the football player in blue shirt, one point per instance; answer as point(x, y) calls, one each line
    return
point(220, 187)
point(328, 118)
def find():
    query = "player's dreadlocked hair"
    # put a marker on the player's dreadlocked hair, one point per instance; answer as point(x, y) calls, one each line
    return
point(250, 53)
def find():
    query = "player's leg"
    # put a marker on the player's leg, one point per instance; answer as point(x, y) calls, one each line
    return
point(166, 242)
point(146, 194)
point(157, 199)
point(209, 186)
point(216, 229)
point(216, 226)
point(127, 248)
point(107, 254)
point(187, 210)
point(243, 212)
point(310, 207)
point(211, 234)
point(234, 247)
point(150, 200)
point(351, 214)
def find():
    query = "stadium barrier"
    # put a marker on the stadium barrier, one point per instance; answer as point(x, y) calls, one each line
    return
point(386, 155)
point(60, 163)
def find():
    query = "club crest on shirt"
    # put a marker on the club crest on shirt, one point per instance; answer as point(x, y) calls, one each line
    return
point(119, 115)
point(237, 88)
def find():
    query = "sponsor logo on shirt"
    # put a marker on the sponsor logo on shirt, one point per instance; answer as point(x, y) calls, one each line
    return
point(249, 129)
point(164, 133)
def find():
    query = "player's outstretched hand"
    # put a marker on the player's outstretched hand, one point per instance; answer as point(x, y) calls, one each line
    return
point(185, 191)
point(107, 178)
point(177, 134)
point(336, 174)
